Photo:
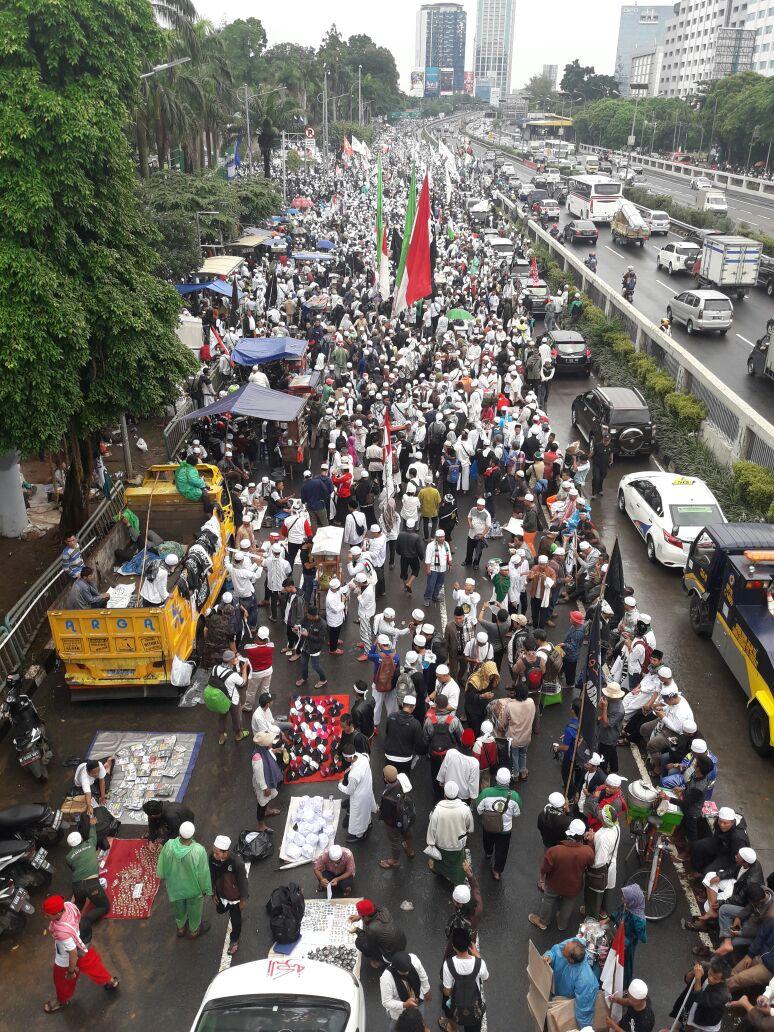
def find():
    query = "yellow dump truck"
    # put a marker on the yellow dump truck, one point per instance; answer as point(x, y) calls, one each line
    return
point(128, 652)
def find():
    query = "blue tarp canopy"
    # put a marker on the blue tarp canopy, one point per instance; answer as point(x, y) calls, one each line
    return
point(325, 245)
point(253, 400)
point(216, 286)
point(312, 256)
point(257, 350)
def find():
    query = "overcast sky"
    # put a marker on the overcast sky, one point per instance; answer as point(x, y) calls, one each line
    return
point(547, 31)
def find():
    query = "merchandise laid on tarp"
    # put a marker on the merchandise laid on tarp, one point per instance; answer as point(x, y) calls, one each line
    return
point(129, 873)
point(148, 765)
point(325, 935)
point(313, 741)
point(326, 550)
point(259, 350)
point(310, 827)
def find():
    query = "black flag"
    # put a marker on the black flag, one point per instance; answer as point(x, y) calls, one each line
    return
point(591, 670)
point(615, 586)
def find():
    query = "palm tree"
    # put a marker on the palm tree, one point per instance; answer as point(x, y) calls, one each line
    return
point(274, 112)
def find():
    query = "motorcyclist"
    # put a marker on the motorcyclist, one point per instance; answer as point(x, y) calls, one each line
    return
point(629, 280)
point(666, 326)
point(591, 261)
point(554, 231)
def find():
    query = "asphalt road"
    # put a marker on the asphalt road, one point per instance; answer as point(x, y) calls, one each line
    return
point(758, 214)
point(725, 356)
point(163, 979)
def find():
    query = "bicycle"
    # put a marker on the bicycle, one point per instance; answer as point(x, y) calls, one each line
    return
point(652, 848)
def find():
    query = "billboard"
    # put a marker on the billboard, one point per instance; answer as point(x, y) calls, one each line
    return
point(432, 82)
point(417, 88)
point(494, 96)
point(447, 82)
point(468, 83)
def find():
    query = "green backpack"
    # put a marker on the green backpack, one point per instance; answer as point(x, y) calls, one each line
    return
point(215, 695)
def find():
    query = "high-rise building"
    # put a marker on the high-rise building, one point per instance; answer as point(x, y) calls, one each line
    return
point(640, 28)
point(551, 72)
point(705, 40)
point(440, 39)
point(646, 71)
point(760, 16)
point(494, 45)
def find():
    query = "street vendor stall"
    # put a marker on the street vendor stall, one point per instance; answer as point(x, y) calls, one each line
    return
point(259, 350)
point(326, 552)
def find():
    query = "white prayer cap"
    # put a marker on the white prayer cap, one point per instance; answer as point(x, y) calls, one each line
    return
point(451, 789)
point(221, 841)
point(187, 830)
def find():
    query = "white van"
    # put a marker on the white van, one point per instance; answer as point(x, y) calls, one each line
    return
point(657, 221)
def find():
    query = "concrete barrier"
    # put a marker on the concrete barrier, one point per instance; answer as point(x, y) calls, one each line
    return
point(732, 429)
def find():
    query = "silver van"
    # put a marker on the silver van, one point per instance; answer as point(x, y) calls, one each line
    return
point(658, 221)
point(702, 310)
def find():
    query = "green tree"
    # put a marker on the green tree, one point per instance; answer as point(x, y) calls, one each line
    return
point(540, 90)
point(89, 330)
point(243, 42)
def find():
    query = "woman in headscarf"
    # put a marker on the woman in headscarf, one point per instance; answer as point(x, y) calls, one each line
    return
point(267, 777)
point(632, 913)
point(479, 692)
point(600, 877)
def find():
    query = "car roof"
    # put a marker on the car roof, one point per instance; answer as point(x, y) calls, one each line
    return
point(623, 397)
point(709, 295)
point(563, 336)
point(540, 283)
point(678, 482)
point(739, 536)
point(277, 976)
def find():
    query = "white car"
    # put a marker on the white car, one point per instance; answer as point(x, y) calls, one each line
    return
point(668, 511)
point(282, 993)
point(701, 183)
point(677, 256)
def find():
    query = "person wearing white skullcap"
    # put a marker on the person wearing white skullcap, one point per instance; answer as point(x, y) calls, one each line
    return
point(637, 1011)
point(497, 819)
point(154, 589)
point(184, 868)
point(83, 862)
point(485, 749)
point(467, 597)
point(540, 584)
point(335, 867)
point(718, 851)
point(451, 821)
point(478, 650)
point(562, 872)
point(446, 685)
point(359, 789)
point(229, 886)
point(672, 713)
point(384, 623)
point(479, 529)
point(554, 820)
point(336, 601)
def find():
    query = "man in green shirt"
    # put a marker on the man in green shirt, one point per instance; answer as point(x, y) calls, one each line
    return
point(184, 866)
point(83, 862)
point(497, 806)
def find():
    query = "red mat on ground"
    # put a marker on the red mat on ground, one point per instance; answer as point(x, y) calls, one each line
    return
point(130, 862)
point(320, 750)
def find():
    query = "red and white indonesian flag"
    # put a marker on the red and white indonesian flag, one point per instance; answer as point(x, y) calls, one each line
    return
point(416, 282)
point(613, 971)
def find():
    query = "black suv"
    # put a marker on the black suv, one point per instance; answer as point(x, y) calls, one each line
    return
point(621, 410)
point(766, 275)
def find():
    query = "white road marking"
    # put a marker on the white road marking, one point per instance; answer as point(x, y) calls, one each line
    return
point(225, 958)
point(749, 343)
point(613, 251)
point(666, 287)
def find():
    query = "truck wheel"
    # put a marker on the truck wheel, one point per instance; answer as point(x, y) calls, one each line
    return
point(670, 269)
point(641, 242)
point(698, 617)
point(770, 287)
point(750, 367)
point(722, 333)
point(759, 730)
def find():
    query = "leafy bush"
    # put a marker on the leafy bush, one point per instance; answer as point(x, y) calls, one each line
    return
point(756, 484)
point(687, 409)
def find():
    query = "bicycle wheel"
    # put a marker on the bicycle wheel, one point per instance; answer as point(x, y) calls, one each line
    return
point(663, 899)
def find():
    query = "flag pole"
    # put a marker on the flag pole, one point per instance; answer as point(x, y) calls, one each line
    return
point(583, 697)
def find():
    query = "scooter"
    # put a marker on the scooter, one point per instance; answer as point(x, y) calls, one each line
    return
point(27, 865)
point(29, 731)
point(591, 262)
point(628, 294)
point(32, 821)
point(15, 907)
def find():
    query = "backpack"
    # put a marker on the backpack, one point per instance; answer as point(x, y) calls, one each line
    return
point(453, 472)
point(151, 569)
point(384, 674)
point(441, 740)
point(488, 757)
point(648, 652)
point(467, 1006)
point(285, 908)
point(404, 686)
point(406, 813)
point(215, 695)
point(492, 820)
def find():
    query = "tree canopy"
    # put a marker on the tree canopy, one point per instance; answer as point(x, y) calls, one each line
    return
point(88, 328)
point(582, 81)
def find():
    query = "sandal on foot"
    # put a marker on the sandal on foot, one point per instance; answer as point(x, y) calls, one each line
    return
point(535, 920)
point(233, 948)
point(112, 985)
point(388, 865)
point(52, 1006)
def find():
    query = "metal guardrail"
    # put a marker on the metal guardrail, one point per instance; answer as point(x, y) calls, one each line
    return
point(733, 429)
point(752, 186)
point(25, 617)
point(177, 432)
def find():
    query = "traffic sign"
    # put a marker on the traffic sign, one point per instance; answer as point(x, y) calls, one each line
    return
point(309, 132)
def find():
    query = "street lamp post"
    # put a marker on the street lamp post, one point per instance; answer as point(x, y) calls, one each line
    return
point(246, 89)
point(359, 94)
point(653, 138)
point(325, 111)
point(163, 67)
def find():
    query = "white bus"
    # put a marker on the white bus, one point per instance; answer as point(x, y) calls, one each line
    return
point(593, 197)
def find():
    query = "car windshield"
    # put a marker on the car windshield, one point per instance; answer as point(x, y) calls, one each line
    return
point(571, 347)
point(537, 291)
point(607, 189)
point(638, 416)
point(717, 305)
point(247, 1016)
point(686, 249)
point(695, 515)
point(586, 227)
point(502, 247)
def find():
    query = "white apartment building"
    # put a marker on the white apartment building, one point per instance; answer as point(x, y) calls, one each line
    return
point(705, 40)
point(760, 16)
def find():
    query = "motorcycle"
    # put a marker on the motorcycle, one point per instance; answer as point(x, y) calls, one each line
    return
point(591, 262)
point(15, 907)
point(628, 294)
point(25, 863)
point(32, 821)
point(29, 732)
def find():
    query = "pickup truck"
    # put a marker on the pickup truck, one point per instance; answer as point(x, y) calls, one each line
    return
point(766, 275)
point(120, 653)
point(729, 576)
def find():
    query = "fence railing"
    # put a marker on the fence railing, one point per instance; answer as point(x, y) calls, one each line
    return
point(751, 185)
point(177, 431)
point(24, 618)
point(733, 429)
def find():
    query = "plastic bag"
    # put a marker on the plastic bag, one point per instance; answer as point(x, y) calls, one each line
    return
point(255, 845)
point(182, 672)
point(141, 444)
point(433, 852)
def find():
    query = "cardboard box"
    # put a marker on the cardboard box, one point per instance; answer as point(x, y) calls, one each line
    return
point(74, 805)
point(561, 1014)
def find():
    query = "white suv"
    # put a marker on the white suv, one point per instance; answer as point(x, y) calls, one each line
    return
point(677, 256)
